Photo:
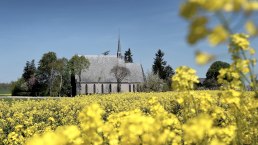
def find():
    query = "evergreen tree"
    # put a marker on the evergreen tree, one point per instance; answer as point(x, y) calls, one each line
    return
point(29, 77)
point(128, 56)
point(159, 65)
point(164, 71)
point(29, 70)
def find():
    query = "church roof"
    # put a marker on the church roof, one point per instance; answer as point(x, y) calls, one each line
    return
point(100, 70)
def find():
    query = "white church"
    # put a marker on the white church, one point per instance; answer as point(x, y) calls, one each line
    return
point(98, 79)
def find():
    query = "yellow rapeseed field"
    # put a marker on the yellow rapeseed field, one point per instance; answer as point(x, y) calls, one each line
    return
point(190, 117)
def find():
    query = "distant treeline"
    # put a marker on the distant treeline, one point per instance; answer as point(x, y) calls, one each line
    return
point(5, 88)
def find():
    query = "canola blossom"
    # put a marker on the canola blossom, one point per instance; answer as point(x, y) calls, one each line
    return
point(184, 79)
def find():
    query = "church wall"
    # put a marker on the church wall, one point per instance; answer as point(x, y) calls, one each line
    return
point(82, 88)
point(105, 88)
point(114, 88)
point(90, 89)
point(98, 89)
point(124, 87)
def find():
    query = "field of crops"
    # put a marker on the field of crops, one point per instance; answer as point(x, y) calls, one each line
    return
point(196, 117)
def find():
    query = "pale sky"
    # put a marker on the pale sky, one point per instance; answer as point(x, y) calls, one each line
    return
point(30, 28)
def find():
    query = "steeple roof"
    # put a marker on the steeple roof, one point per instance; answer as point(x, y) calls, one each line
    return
point(119, 53)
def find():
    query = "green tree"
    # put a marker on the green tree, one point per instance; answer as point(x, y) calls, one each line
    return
point(77, 65)
point(169, 73)
point(52, 77)
point(212, 74)
point(45, 73)
point(164, 71)
point(65, 84)
point(62, 80)
point(128, 56)
point(60, 74)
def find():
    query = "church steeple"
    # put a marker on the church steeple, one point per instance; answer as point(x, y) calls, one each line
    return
point(119, 54)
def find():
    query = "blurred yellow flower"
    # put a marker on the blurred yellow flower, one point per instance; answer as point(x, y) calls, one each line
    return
point(203, 58)
point(188, 10)
point(197, 29)
point(197, 129)
point(238, 42)
point(218, 35)
point(213, 5)
point(252, 51)
point(251, 5)
point(250, 28)
point(184, 79)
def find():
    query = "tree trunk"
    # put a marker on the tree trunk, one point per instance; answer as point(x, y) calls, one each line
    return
point(50, 82)
point(118, 87)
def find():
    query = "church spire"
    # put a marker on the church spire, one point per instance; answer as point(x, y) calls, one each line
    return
point(119, 54)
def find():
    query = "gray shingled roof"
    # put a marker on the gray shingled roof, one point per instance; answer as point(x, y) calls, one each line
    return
point(100, 67)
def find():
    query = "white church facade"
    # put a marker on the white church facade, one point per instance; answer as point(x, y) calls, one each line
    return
point(98, 78)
